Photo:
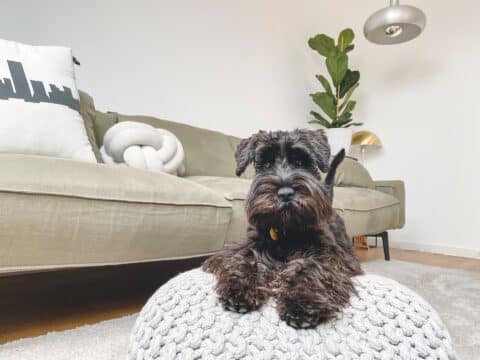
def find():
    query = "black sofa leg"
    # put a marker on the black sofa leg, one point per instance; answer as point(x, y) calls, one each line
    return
point(386, 248)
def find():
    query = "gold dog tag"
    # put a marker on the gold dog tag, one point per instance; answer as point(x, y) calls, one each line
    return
point(273, 233)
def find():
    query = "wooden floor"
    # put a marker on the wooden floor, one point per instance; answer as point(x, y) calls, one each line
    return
point(32, 305)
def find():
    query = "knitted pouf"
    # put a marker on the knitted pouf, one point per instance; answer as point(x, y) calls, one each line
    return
point(184, 320)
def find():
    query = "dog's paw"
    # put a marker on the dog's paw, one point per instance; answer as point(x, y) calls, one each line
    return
point(237, 305)
point(241, 302)
point(300, 317)
point(235, 295)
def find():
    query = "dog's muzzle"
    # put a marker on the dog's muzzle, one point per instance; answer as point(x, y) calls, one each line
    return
point(286, 194)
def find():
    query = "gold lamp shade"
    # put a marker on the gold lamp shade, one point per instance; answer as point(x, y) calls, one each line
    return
point(366, 139)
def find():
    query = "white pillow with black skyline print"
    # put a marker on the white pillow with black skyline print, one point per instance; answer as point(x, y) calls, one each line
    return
point(39, 103)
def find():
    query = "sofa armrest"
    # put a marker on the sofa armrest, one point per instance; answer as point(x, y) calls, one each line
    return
point(395, 188)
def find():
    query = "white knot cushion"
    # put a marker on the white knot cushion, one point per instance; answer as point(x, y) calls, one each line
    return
point(143, 146)
point(184, 320)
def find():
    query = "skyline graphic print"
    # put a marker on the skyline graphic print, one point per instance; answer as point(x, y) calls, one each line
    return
point(18, 88)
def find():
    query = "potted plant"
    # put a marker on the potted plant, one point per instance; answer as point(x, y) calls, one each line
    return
point(335, 101)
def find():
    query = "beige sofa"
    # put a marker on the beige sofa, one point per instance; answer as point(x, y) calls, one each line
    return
point(57, 213)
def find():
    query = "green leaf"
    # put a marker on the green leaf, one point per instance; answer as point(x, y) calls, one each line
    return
point(348, 105)
point(317, 115)
point(319, 119)
point(326, 103)
point(349, 48)
point(337, 66)
point(323, 44)
point(354, 124)
point(349, 80)
point(324, 123)
point(349, 93)
point(345, 38)
point(343, 119)
point(325, 83)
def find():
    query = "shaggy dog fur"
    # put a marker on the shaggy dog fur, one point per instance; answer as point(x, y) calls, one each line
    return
point(307, 266)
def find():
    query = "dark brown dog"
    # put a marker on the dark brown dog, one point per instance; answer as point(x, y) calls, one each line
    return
point(297, 249)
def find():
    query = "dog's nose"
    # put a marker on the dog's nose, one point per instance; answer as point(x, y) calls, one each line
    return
point(285, 193)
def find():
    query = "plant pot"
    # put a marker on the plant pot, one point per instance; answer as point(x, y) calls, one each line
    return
point(339, 138)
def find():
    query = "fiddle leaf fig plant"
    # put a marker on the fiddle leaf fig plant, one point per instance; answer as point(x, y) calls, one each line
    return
point(335, 101)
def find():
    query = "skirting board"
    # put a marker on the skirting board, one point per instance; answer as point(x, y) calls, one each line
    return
point(436, 249)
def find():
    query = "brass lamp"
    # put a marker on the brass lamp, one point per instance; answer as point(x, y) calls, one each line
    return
point(365, 139)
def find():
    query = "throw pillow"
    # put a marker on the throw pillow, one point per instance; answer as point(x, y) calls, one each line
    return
point(39, 103)
point(87, 110)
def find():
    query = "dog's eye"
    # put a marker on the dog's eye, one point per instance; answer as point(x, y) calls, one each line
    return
point(267, 165)
point(298, 162)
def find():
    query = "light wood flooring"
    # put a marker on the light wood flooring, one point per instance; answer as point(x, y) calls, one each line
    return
point(34, 304)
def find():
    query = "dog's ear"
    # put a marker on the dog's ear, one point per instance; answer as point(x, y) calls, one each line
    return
point(317, 142)
point(330, 178)
point(245, 153)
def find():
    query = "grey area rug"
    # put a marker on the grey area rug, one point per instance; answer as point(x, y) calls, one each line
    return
point(455, 294)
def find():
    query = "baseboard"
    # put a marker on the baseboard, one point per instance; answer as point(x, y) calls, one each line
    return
point(436, 249)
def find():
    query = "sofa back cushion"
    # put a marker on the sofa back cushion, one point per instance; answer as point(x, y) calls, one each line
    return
point(87, 110)
point(207, 152)
point(352, 173)
point(211, 153)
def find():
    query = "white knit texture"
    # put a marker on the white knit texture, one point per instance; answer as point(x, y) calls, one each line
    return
point(143, 146)
point(184, 320)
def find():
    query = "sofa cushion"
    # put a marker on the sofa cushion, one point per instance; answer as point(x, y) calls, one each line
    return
point(361, 199)
point(87, 110)
point(352, 173)
point(103, 121)
point(396, 188)
point(39, 103)
point(207, 152)
point(365, 211)
point(234, 190)
point(61, 213)
point(231, 188)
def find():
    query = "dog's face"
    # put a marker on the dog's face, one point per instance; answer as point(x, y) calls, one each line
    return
point(286, 192)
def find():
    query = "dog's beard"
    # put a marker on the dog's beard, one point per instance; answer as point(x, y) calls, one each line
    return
point(310, 209)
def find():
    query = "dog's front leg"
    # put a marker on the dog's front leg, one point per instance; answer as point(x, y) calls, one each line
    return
point(242, 279)
point(310, 291)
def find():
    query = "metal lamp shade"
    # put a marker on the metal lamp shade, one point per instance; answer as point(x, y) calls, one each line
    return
point(394, 24)
point(366, 138)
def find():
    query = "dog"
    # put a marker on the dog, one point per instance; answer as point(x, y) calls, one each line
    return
point(296, 249)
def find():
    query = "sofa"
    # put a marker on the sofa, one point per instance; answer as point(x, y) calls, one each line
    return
point(57, 213)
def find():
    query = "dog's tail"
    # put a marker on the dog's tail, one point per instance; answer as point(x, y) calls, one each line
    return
point(330, 178)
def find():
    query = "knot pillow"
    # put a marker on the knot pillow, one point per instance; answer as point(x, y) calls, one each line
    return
point(143, 146)
point(184, 320)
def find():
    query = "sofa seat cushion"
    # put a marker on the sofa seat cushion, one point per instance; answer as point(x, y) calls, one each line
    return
point(361, 199)
point(366, 211)
point(234, 190)
point(45, 175)
point(57, 213)
point(231, 188)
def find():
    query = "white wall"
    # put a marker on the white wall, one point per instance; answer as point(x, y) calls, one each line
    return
point(237, 66)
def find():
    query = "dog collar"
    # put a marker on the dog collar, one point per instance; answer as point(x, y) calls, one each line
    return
point(273, 233)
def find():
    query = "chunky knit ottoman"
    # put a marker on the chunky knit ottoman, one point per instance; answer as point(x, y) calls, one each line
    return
point(183, 320)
